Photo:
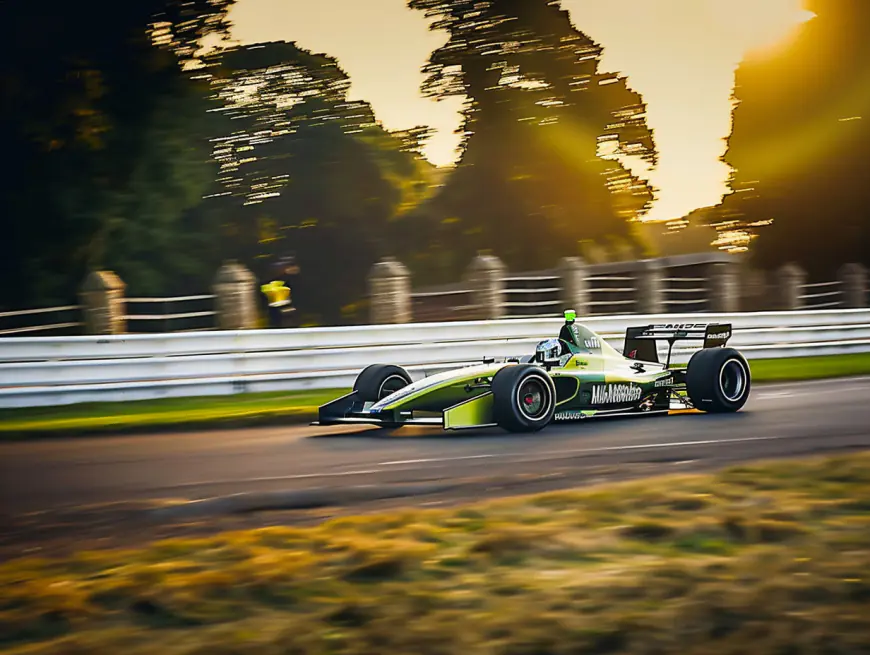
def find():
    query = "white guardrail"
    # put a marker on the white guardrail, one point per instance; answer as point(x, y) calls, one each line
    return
point(47, 371)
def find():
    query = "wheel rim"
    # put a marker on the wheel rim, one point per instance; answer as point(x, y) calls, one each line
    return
point(391, 385)
point(533, 398)
point(732, 380)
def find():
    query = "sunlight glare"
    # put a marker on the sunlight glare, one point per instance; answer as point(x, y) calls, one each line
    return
point(759, 26)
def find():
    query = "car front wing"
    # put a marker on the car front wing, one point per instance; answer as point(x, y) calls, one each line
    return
point(350, 410)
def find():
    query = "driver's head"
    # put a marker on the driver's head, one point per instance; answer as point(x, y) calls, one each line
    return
point(570, 316)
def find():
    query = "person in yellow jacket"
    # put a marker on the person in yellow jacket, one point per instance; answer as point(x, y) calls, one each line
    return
point(278, 296)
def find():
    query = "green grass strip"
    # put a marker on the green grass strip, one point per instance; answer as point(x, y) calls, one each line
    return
point(174, 413)
point(810, 368)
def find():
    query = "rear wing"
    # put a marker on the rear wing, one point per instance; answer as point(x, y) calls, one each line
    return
point(640, 342)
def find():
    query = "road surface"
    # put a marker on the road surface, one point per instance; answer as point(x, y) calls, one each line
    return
point(779, 420)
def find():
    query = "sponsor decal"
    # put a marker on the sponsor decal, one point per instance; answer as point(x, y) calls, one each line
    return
point(572, 415)
point(679, 326)
point(719, 335)
point(632, 354)
point(591, 343)
point(608, 394)
point(577, 362)
point(666, 382)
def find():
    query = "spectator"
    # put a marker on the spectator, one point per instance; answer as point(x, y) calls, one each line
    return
point(278, 296)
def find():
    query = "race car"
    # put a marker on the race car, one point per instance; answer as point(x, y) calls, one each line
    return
point(574, 377)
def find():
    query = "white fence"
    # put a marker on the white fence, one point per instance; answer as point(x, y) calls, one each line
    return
point(58, 319)
point(46, 371)
point(178, 314)
point(144, 315)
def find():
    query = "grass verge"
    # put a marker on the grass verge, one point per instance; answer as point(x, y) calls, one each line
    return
point(768, 558)
point(174, 414)
point(287, 407)
point(810, 368)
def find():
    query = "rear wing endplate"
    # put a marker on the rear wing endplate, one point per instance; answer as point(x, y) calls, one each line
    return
point(640, 342)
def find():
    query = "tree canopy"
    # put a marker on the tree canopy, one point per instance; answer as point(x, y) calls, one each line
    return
point(800, 142)
point(102, 137)
point(305, 171)
point(543, 128)
point(133, 150)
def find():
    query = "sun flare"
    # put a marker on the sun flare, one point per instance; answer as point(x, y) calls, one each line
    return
point(759, 26)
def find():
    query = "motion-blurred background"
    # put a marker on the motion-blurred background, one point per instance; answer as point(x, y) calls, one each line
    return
point(159, 139)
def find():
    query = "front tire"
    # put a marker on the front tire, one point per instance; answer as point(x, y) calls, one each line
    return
point(378, 381)
point(524, 398)
point(718, 380)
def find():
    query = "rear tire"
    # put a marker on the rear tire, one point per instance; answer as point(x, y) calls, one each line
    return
point(377, 381)
point(718, 380)
point(524, 398)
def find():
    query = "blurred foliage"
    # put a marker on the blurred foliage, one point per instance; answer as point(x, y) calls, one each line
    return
point(103, 142)
point(542, 128)
point(129, 148)
point(696, 232)
point(303, 170)
point(800, 143)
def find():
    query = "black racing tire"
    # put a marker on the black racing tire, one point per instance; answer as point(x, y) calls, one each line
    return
point(718, 380)
point(524, 398)
point(380, 380)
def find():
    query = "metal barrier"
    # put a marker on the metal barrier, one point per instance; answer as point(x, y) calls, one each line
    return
point(43, 371)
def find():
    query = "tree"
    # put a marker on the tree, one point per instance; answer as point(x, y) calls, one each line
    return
point(800, 145)
point(89, 94)
point(306, 171)
point(164, 241)
point(543, 129)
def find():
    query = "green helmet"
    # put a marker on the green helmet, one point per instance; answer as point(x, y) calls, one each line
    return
point(570, 315)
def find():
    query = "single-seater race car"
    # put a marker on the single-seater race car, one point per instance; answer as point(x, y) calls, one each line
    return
point(573, 377)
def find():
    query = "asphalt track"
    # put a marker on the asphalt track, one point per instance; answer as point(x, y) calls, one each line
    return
point(779, 420)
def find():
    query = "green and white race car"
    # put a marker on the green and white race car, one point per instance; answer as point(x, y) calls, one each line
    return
point(573, 377)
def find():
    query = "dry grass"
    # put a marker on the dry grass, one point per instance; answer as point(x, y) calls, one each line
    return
point(771, 558)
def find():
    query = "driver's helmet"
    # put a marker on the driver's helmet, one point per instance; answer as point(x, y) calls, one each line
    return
point(548, 350)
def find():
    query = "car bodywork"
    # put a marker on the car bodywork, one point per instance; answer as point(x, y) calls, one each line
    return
point(591, 379)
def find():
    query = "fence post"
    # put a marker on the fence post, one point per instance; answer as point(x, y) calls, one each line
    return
point(575, 292)
point(235, 297)
point(485, 278)
point(790, 280)
point(723, 287)
point(389, 292)
point(649, 287)
point(102, 299)
point(853, 278)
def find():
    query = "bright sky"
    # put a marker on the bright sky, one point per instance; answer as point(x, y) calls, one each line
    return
point(679, 54)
